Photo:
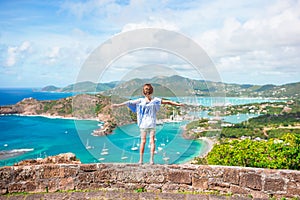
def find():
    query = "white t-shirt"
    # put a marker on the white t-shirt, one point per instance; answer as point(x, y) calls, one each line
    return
point(146, 111)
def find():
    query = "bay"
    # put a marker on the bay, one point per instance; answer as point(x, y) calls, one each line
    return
point(37, 137)
point(221, 101)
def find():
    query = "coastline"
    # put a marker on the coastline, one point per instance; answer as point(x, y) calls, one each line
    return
point(208, 146)
point(103, 130)
point(55, 117)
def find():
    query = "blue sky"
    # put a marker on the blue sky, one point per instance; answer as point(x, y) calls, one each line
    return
point(250, 42)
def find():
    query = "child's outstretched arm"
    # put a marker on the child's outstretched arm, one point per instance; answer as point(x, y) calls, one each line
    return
point(164, 101)
point(124, 103)
point(116, 105)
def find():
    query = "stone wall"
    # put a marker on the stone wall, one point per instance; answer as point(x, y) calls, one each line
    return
point(259, 183)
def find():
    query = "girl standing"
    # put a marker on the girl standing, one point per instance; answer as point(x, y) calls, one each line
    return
point(146, 109)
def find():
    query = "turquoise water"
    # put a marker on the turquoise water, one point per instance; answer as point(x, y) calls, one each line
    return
point(35, 137)
point(213, 101)
point(10, 96)
point(230, 118)
point(40, 137)
point(169, 144)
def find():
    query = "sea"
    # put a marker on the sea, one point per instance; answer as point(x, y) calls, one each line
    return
point(33, 137)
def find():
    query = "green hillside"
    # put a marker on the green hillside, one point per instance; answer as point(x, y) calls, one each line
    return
point(182, 86)
point(83, 87)
point(268, 141)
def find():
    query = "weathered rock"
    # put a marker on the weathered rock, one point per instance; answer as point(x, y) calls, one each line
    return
point(106, 129)
point(180, 177)
point(274, 185)
point(252, 181)
point(64, 158)
point(231, 176)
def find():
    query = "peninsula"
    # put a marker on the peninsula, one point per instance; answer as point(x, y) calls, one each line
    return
point(82, 106)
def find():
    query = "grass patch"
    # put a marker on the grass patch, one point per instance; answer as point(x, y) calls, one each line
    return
point(139, 190)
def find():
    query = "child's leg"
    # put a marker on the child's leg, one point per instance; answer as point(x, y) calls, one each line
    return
point(152, 143)
point(142, 145)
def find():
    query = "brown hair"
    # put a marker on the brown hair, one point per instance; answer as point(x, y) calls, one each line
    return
point(150, 89)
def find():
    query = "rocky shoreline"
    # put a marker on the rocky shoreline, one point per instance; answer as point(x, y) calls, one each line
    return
point(105, 129)
point(80, 107)
point(63, 158)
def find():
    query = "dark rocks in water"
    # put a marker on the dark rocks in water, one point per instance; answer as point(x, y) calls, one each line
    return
point(106, 129)
point(5, 154)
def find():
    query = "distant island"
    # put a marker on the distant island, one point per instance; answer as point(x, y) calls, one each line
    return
point(182, 86)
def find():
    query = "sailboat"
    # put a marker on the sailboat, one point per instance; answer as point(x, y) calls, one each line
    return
point(123, 156)
point(104, 150)
point(87, 146)
point(104, 153)
point(134, 148)
point(165, 158)
point(161, 146)
point(40, 157)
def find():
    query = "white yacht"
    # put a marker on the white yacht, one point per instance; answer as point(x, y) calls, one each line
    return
point(123, 156)
point(134, 148)
point(104, 150)
point(87, 146)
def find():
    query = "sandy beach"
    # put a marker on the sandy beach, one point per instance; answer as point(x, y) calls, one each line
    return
point(208, 146)
point(57, 117)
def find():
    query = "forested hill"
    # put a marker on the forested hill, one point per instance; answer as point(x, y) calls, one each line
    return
point(181, 86)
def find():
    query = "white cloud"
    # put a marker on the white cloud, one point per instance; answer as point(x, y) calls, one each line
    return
point(54, 52)
point(17, 52)
point(84, 9)
point(152, 22)
point(11, 56)
point(159, 61)
point(235, 37)
point(24, 46)
point(266, 42)
point(240, 36)
point(230, 63)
